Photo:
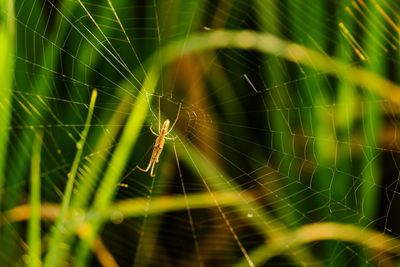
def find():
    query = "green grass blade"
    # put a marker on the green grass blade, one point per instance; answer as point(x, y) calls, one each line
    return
point(87, 184)
point(275, 75)
point(349, 233)
point(74, 169)
point(7, 65)
point(18, 167)
point(56, 253)
point(372, 121)
point(112, 176)
point(7, 32)
point(34, 231)
point(293, 52)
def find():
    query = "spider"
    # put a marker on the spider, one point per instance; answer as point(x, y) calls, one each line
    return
point(162, 135)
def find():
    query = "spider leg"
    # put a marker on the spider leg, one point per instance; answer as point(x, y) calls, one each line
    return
point(176, 119)
point(152, 174)
point(147, 168)
point(151, 129)
point(171, 138)
point(159, 114)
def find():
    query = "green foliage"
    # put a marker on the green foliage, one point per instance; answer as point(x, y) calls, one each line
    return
point(278, 151)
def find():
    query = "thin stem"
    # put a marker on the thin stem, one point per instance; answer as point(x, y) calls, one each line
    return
point(56, 253)
point(34, 236)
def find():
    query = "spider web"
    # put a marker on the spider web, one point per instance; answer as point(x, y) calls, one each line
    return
point(274, 162)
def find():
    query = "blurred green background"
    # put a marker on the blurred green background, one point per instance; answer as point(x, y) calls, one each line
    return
point(283, 151)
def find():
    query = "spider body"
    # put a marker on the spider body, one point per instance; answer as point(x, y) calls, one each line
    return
point(158, 146)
